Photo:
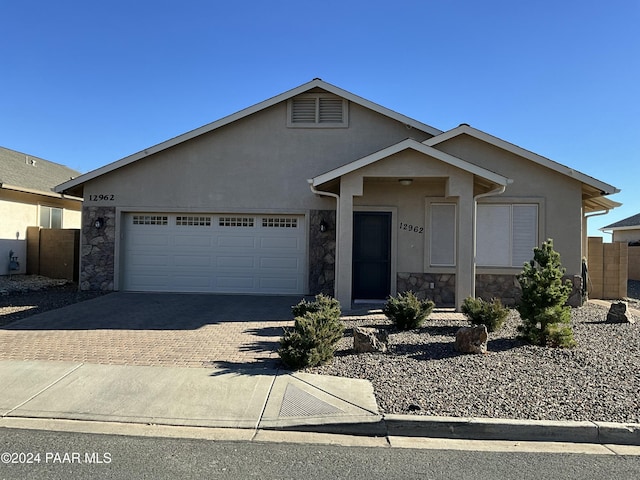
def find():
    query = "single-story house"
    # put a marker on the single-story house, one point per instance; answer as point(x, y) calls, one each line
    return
point(27, 199)
point(320, 190)
point(625, 230)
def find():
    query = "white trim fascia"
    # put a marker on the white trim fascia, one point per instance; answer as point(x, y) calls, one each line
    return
point(605, 188)
point(618, 229)
point(316, 83)
point(414, 145)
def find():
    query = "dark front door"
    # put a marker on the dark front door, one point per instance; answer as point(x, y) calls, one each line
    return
point(371, 255)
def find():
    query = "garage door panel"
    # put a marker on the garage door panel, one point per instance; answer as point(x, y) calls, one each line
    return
point(146, 260)
point(194, 241)
point(286, 263)
point(235, 262)
point(277, 284)
point(150, 240)
point(236, 242)
point(279, 243)
point(235, 283)
point(197, 261)
point(223, 253)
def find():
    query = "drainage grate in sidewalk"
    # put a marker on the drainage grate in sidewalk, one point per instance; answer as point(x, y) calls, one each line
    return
point(298, 403)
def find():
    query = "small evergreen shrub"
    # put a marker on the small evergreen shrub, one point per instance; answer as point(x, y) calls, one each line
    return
point(322, 303)
point(491, 314)
point(545, 318)
point(312, 341)
point(406, 311)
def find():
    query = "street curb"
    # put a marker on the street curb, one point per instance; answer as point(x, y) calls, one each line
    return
point(514, 430)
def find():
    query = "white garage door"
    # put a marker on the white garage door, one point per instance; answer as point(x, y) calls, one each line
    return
point(214, 253)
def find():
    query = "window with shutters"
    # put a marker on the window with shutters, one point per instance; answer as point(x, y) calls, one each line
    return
point(506, 234)
point(317, 110)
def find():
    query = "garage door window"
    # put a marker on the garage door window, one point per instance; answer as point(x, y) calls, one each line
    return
point(193, 221)
point(273, 222)
point(236, 222)
point(150, 220)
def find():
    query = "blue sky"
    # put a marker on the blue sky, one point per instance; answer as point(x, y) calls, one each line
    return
point(86, 83)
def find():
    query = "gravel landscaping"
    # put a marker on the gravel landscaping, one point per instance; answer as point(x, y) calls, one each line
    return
point(422, 374)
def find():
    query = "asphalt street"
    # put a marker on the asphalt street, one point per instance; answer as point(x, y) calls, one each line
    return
point(43, 454)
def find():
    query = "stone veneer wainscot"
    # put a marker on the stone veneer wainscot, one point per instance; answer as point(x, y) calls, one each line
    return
point(98, 249)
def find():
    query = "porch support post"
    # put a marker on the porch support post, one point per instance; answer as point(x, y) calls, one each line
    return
point(350, 185)
point(462, 187)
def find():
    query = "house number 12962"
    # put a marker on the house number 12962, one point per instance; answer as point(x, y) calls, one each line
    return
point(411, 228)
point(102, 197)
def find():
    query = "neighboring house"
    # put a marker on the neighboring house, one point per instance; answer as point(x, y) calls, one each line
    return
point(626, 230)
point(27, 199)
point(319, 190)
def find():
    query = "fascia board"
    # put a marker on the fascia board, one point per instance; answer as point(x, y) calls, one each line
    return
point(38, 192)
point(603, 187)
point(618, 229)
point(316, 83)
point(417, 146)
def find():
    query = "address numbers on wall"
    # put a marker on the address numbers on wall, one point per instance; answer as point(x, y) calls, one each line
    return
point(411, 228)
point(108, 197)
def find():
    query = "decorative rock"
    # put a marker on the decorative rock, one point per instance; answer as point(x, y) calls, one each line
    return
point(369, 340)
point(618, 313)
point(472, 339)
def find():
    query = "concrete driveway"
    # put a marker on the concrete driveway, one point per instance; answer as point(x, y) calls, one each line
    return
point(185, 330)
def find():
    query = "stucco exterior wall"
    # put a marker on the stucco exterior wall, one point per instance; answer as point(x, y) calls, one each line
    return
point(254, 163)
point(626, 235)
point(18, 211)
point(560, 217)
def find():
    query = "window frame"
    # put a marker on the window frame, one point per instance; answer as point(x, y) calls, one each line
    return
point(510, 204)
point(318, 123)
point(51, 209)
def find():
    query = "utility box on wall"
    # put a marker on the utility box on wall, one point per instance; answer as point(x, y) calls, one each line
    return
point(53, 253)
point(608, 269)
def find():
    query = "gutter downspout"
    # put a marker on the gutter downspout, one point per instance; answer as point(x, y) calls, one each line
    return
point(337, 197)
point(496, 191)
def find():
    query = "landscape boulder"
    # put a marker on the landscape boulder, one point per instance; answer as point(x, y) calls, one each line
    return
point(618, 313)
point(369, 340)
point(472, 339)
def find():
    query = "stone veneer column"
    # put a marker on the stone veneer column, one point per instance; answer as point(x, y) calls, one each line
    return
point(97, 249)
point(322, 252)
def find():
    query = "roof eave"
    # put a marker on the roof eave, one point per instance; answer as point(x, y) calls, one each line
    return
point(604, 188)
point(32, 191)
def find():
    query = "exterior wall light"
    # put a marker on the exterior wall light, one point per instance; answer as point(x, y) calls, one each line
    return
point(99, 223)
point(406, 181)
point(323, 226)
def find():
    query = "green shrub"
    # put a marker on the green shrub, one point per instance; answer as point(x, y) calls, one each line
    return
point(545, 318)
point(406, 311)
point(322, 303)
point(312, 341)
point(491, 314)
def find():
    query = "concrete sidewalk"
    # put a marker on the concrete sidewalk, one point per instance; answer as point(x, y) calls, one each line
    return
point(256, 399)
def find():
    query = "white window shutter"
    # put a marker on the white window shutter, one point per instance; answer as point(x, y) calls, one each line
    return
point(524, 233)
point(493, 235)
point(442, 234)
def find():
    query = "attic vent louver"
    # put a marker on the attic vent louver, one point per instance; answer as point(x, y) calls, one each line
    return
point(318, 110)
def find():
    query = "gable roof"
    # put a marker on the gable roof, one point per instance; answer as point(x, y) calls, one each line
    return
point(26, 173)
point(315, 83)
point(464, 129)
point(629, 223)
point(405, 145)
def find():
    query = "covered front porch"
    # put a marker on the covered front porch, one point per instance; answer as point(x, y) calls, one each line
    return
point(405, 220)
